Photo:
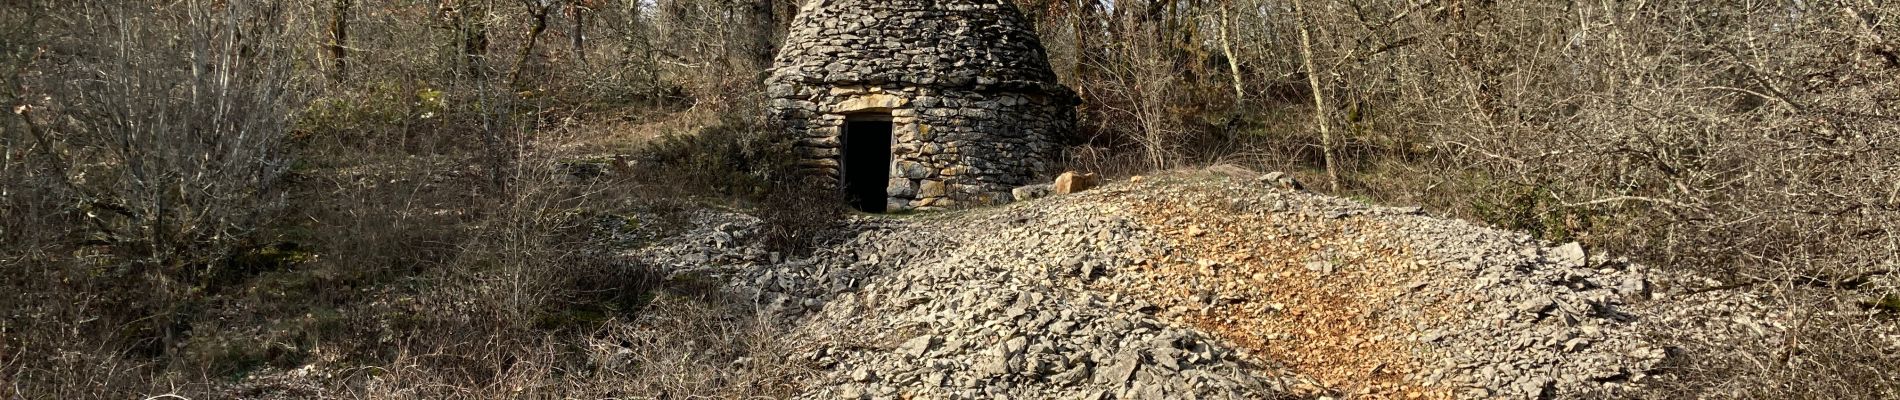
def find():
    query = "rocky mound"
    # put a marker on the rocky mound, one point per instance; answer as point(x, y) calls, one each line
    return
point(1188, 287)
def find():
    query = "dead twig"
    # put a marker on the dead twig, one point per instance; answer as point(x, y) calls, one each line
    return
point(1635, 198)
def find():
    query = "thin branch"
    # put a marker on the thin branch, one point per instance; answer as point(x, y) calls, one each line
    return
point(1778, 99)
point(1634, 198)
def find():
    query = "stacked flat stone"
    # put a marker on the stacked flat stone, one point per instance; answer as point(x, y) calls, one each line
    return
point(974, 104)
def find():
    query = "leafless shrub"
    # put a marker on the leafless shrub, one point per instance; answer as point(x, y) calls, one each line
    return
point(1139, 84)
point(169, 125)
point(148, 141)
point(162, 128)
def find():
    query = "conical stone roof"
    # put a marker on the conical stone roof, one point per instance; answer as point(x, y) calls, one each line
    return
point(980, 45)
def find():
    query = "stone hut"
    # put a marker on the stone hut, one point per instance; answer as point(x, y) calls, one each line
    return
point(919, 104)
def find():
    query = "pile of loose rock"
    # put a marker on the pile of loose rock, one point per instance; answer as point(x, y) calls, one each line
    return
point(1188, 287)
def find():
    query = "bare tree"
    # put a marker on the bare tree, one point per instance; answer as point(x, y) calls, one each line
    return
point(577, 15)
point(1320, 108)
point(469, 20)
point(340, 37)
point(538, 12)
point(171, 125)
point(1227, 49)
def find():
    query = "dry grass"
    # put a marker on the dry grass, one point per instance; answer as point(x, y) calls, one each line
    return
point(677, 347)
point(411, 277)
point(427, 235)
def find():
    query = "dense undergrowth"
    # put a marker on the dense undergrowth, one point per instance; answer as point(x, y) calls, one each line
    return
point(212, 224)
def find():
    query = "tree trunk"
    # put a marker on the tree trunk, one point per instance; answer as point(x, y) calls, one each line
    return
point(766, 18)
point(340, 37)
point(579, 32)
point(633, 36)
point(1319, 96)
point(540, 16)
point(1079, 19)
point(1227, 47)
point(471, 25)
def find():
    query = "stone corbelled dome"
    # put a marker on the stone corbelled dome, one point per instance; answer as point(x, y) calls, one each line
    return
point(977, 45)
point(918, 104)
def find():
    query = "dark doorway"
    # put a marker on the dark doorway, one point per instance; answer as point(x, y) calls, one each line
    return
point(867, 162)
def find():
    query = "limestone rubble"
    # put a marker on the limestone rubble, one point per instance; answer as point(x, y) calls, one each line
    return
point(1194, 287)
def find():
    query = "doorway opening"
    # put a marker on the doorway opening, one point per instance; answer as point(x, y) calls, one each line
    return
point(867, 161)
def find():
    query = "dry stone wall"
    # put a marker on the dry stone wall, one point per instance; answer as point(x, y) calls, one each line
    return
point(975, 110)
point(950, 147)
